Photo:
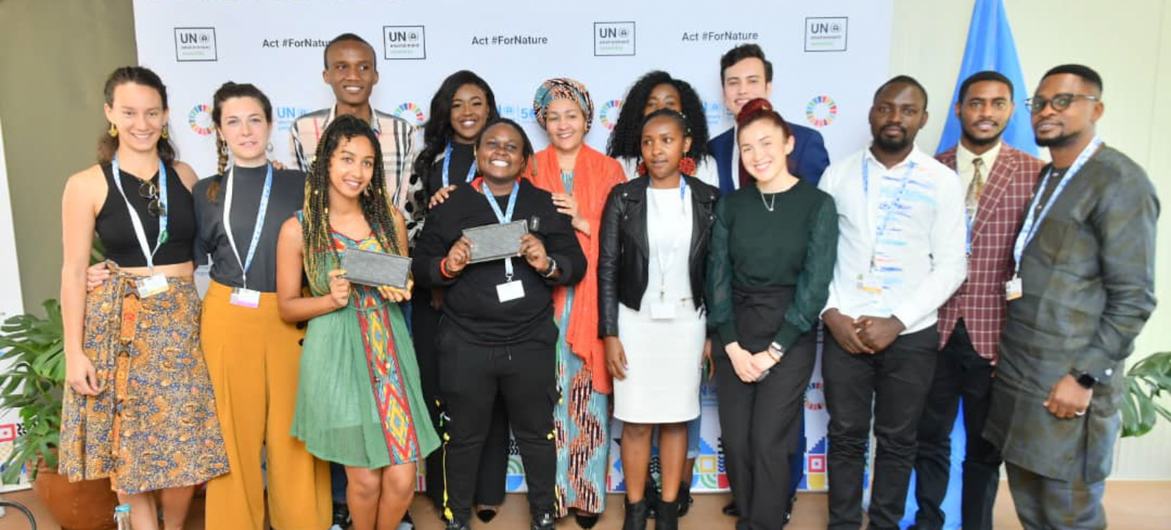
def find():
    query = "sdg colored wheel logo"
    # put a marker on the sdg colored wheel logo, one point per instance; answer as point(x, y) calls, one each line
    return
point(410, 112)
point(200, 119)
point(821, 111)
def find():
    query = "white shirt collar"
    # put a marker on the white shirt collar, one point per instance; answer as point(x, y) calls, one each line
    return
point(964, 157)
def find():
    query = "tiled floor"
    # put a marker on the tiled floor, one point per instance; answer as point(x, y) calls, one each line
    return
point(1129, 505)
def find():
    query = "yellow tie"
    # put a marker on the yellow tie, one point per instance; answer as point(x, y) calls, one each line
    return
point(972, 200)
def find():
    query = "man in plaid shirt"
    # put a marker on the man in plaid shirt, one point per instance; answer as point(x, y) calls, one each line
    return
point(998, 182)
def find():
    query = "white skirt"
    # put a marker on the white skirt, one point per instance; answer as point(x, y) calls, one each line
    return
point(663, 365)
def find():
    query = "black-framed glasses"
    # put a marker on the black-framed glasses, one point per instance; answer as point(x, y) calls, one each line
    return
point(1059, 102)
point(149, 191)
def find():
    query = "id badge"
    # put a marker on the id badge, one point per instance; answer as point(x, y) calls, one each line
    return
point(245, 298)
point(509, 291)
point(662, 310)
point(1013, 289)
point(868, 283)
point(151, 285)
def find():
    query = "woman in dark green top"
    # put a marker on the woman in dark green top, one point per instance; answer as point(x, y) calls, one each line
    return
point(772, 255)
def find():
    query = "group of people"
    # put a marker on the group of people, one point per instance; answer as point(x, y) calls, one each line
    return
point(669, 258)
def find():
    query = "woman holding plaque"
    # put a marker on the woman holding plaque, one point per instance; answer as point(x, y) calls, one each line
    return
point(138, 404)
point(651, 271)
point(497, 338)
point(579, 179)
point(459, 110)
point(359, 402)
point(772, 258)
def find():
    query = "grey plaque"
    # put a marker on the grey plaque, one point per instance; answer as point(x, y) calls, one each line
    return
point(376, 268)
point(496, 241)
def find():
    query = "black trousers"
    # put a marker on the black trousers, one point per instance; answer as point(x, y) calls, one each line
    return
point(490, 482)
point(472, 379)
point(1044, 503)
point(959, 371)
point(760, 427)
point(891, 387)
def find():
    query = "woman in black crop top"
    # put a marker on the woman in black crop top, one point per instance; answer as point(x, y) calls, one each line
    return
point(459, 110)
point(138, 405)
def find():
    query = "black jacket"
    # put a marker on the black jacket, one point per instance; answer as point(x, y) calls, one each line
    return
point(624, 253)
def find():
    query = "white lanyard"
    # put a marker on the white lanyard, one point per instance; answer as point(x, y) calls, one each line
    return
point(1029, 229)
point(503, 217)
point(664, 264)
point(136, 221)
point(891, 208)
point(260, 214)
point(447, 167)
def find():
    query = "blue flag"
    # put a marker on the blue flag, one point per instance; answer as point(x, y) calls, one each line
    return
point(990, 47)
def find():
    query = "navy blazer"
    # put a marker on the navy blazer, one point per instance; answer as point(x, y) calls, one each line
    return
point(807, 161)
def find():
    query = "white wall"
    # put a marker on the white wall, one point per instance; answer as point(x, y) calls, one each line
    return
point(1129, 43)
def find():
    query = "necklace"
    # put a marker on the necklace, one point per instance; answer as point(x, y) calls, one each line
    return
point(770, 206)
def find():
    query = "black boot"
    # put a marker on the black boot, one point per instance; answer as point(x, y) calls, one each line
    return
point(684, 498)
point(651, 495)
point(543, 521)
point(636, 515)
point(668, 516)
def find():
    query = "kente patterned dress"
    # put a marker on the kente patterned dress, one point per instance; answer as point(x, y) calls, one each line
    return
point(153, 426)
point(582, 423)
point(359, 402)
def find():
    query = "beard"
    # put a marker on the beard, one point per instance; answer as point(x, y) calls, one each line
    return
point(892, 146)
point(981, 141)
point(1057, 141)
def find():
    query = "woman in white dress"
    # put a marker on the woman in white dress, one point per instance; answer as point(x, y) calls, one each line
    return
point(651, 266)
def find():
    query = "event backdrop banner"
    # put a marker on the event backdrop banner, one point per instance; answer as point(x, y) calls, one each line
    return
point(828, 59)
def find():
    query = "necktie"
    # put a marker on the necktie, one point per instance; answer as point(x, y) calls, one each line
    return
point(972, 200)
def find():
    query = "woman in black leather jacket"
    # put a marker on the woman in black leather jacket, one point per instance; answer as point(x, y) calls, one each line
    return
point(651, 273)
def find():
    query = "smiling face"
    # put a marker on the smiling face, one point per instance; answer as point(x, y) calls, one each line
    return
point(663, 146)
point(764, 150)
point(469, 112)
point(896, 116)
point(500, 153)
point(985, 111)
point(1059, 128)
point(245, 128)
point(565, 123)
point(744, 82)
point(663, 96)
point(138, 114)
point(351, 166)
point(350, 71)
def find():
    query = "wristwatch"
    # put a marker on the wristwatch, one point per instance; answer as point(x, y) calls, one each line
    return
point(548, 273)
point(776, 351)
point(1084, 379)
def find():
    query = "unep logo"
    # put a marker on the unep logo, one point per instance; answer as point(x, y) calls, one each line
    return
point(608, 113)
point(410, 112)
point(200, 119)
point(821, 111)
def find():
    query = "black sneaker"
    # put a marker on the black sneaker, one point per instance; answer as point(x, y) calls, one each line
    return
point(341, 517)
point(543, 521)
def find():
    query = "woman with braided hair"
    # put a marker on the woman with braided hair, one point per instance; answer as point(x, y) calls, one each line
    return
point(359, 401)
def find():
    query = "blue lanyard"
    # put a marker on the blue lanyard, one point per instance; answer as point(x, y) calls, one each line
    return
point(136, 221)
point(260, 214)
point(503, 217)
point(1029, 229)
point(890, 207)
point(447, 167)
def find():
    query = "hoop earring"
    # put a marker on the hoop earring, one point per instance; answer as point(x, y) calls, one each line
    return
point(165, 134)
point(113, 132)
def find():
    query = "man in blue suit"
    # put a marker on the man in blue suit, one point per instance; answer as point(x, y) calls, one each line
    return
point(746, 75)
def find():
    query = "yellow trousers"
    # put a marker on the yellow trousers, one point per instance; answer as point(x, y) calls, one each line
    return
point(254, 359)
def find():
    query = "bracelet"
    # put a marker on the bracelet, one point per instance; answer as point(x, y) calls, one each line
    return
point(549, 272)
point(443, 269)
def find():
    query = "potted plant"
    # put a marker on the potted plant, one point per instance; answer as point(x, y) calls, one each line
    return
point(1147, 383)
point(33, 349)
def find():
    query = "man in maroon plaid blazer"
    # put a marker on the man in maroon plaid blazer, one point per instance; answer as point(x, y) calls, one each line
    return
point(998, 181)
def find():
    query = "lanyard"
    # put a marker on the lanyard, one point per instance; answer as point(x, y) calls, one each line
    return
point(136, 221)
point(260, 213)
point(670, 260)
point(447, 167)
point(503, 217)
point(890, 207)
point(1032, 222)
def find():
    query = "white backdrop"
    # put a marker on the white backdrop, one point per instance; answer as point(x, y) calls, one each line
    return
point(827, 59)
point(11, 302)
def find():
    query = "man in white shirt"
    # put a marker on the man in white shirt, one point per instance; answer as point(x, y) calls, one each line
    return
point(901, 254)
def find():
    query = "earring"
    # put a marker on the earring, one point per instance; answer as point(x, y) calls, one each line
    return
point(269, 148)
point(224, 149)
point(165, 134)
point(641, 169)
point(687, 166)
point(113, 132)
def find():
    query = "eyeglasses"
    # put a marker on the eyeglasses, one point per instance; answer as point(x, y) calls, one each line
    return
point(147, 190)
point(1059, 102)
